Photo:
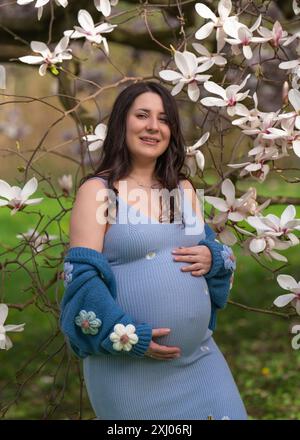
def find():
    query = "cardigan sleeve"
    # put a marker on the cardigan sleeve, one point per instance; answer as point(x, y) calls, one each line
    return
point(90, 318)
point(219, 277)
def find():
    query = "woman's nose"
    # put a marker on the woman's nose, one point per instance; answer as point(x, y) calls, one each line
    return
point(152, 124)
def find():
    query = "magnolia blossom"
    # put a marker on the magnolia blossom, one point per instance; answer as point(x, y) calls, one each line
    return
point(267, 246)
point(89, 31)
point(66, 184)
point(296, 7)
point(276, 36)
point(259, 170)
point(225, 235)
point(250, 117)
point(97, 139)
point(187, 64)
point(104, 6)
point(35, 240)
point(229, 97)
point(287, 282)
point(48, 58)
point(242, 36)
point(194, 158)
point(231, 208)
point(123, 338)
point(294, 67)
point(5, 342)
point(209, 58)
point(224, 10)
point(18, 198)
point(2, 77)
point(275, 226)
point(287, 135)
point(40, 3)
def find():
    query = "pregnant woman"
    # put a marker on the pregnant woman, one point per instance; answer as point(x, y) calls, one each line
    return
point(144, 277)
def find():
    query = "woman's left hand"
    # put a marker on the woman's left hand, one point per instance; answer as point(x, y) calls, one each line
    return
point(199, 257)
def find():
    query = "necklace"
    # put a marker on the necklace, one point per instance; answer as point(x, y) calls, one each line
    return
point(155, 185)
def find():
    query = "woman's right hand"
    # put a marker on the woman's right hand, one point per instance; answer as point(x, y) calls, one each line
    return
point(161, 352)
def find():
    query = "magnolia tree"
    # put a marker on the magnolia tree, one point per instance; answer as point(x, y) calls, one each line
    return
point(220, 58)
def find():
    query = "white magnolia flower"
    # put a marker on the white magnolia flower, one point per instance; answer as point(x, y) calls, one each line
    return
point(66, 184)
point(5, 342)
point(243, 36)
point(187, 64)
point(275, 226)
point(18, 198)
point(40, 3)
point(259, 170)
point(292, 65)
point(229, 97)
point(265, 245)
point(123, 338)
point(231, 208)
point(209, 58)
point(2, 77)
point(194, 158)
point(276, 36)
point(46, 57)
point(296, 7)
point(287, 135)
point(224, 10)
point(287, 282)
point(225, 235)
point(97, 139)
point(89, 31)
point(248, 116)
point(36, 240)
point(104, 6)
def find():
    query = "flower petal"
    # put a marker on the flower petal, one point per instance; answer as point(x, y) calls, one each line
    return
point(287, 282)
point(283, 300)
point(85, 20)
point(3, 313)
point(193, 91)
point(29, 188)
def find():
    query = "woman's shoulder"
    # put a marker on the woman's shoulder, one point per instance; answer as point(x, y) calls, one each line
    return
point(186, 184)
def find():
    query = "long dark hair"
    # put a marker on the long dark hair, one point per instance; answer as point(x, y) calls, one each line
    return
point(115, 161)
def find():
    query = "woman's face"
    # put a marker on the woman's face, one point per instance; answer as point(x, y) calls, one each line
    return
point(147, 129)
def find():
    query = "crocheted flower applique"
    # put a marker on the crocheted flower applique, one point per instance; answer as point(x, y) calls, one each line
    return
point(228, 258)
point(88, 322)
point(123, 338)
point(68, 268)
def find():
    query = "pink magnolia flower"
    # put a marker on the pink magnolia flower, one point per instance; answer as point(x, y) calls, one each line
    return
point(287, 282)
point(276, 36)
point(230, 96)
point(242, 36)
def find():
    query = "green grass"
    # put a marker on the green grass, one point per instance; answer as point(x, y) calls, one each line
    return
point(256, 346)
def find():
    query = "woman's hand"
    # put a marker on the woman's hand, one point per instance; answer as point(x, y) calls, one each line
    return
point(199, 257)
point(161, 352)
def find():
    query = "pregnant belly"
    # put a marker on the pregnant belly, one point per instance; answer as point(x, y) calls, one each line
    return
point(166, 297)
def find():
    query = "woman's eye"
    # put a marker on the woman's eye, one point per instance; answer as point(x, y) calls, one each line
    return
point(164, 120)
point(141, 116)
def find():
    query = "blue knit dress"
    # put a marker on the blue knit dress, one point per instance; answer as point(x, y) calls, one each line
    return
point(152, 288)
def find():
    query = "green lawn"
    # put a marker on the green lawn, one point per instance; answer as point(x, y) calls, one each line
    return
point(256, 346)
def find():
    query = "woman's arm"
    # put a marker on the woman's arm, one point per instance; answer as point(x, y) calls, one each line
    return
point(89, 313)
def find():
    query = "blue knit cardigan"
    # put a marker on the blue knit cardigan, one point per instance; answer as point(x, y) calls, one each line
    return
point(89, 311)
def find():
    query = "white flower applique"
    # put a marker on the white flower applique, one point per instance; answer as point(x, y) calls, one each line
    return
point(123, 338)
point(68, 268)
